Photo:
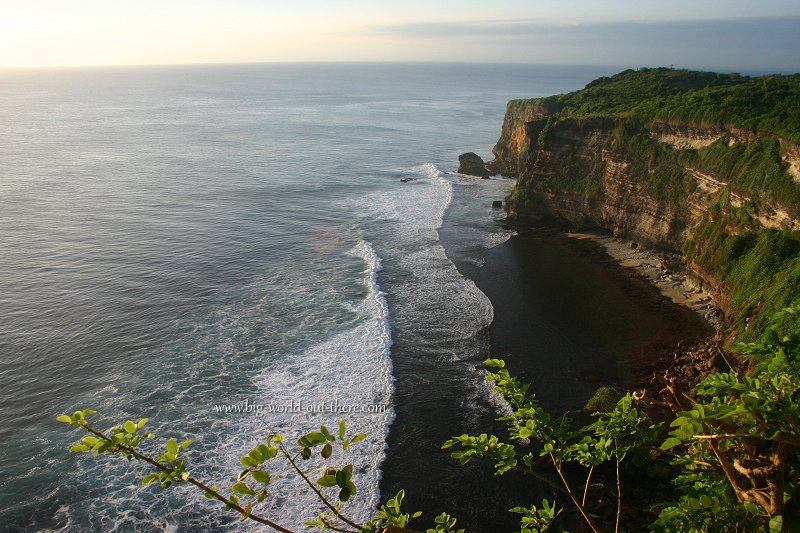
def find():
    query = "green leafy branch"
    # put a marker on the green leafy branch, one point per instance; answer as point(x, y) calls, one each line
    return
point(740, 442)
point(537, 520)
point(334, 487)
point(123, 441)
point(613, 437)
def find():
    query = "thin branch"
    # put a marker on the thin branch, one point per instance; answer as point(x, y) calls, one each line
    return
point(586, 487)
point(331, 525)
point(530, 471)
point(619, 499)
point(319, 494)
point(791, 441)
point(721, 352)
point(729, 471)
point(706, 464)
point(572, 496)
point(193, 481)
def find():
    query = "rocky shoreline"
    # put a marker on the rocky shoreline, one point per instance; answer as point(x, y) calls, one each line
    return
point(663, 269)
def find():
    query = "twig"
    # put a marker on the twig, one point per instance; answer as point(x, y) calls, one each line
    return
point(193, 481)
point(586, 487)
point(722, 354)
point(619, 499)
point(315, 489)
point(332, 526)
point(572, 496)
point(530, 471)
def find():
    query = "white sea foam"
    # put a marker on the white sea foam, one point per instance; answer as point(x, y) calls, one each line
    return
point(442, 297)
point(437, 307)
point(352, 368)
point(439, 310)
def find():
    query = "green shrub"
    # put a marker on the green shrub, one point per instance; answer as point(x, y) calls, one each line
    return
point(603, 400)
point(764, 104)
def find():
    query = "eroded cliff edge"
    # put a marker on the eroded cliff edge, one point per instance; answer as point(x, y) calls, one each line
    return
point(702, 164)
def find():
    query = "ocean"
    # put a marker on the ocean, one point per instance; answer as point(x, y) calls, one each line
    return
point(178, 239)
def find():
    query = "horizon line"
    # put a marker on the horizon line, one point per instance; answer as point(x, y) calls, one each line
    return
point(78, 66)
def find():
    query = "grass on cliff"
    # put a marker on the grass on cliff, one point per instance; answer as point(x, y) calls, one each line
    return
point(759, 270)
point(657, 165)
point(753, 169)
point(769, 104)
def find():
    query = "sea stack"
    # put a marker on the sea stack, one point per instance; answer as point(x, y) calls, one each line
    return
point(472, 164)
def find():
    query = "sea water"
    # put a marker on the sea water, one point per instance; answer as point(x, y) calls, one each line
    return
point(179, 241)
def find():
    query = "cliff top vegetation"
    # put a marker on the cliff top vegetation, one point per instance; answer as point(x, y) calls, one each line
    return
point(767, 104)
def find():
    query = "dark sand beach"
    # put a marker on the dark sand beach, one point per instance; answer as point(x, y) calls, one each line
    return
point(568, 318)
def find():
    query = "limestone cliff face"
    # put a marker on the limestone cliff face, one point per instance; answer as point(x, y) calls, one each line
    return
point(791, 156)
point(575, 170)
point(515, 135)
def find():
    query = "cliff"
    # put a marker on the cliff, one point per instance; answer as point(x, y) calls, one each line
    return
point(583, 171)
point(626, 155)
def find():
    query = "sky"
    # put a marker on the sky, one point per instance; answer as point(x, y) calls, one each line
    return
point(723, 34)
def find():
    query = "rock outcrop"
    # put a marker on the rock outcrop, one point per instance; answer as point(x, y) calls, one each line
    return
point(472, 164)
point(515, 135)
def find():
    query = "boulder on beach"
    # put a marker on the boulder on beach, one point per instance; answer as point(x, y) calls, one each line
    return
point(473, 165)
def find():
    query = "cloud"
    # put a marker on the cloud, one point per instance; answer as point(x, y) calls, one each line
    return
point(498, 28)
point(528, 27)
point(762, 43)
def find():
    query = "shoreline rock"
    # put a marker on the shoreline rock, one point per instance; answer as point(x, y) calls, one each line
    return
point(472, 164)
point(664, 270)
